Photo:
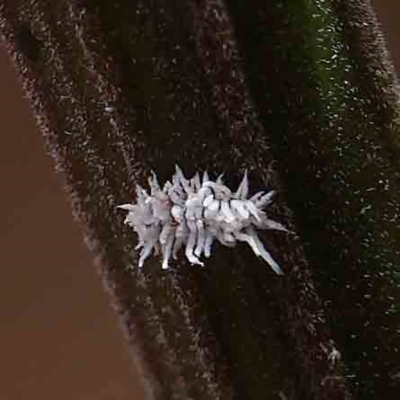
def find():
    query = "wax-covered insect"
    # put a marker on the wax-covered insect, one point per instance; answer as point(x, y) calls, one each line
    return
point(193, 213)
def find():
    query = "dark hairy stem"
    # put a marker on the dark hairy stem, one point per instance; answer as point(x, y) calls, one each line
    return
point(299, 93)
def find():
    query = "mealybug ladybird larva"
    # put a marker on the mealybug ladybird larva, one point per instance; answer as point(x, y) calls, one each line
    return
point(193, 213)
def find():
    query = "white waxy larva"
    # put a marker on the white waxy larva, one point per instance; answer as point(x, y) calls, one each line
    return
point(192, 213)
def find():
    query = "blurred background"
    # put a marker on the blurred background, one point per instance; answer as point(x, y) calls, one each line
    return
point(80, 353)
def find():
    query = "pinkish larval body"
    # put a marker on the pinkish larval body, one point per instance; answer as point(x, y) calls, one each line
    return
point(195, 212)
